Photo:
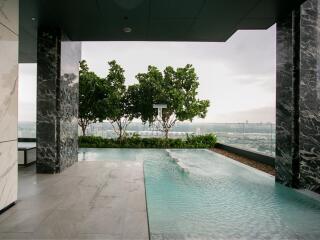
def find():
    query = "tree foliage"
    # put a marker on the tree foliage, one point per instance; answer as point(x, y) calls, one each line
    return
point(119, 113)
point(175, 87)
point(109, 98)
point(92, 97)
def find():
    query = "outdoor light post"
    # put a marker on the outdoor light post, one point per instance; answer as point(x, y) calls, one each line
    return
point(159, 107)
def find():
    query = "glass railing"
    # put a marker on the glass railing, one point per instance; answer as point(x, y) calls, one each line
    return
point(251, 136)
point(26, 130)
point(259, 137)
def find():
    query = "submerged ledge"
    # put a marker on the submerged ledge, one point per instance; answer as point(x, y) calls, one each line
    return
point(180, 164)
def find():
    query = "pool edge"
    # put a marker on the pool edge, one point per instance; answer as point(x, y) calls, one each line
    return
point(252, 169)
point(313, 195)
point(145, 196)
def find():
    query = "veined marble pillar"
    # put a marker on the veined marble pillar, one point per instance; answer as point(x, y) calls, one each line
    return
point(57, 100)
point(309, 91)
point(298, 98)
point(284, 104)
point(9, 22)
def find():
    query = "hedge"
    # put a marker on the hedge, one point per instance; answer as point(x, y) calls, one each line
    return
point(202, 141)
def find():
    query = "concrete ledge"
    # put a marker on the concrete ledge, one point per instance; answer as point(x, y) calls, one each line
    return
point(259, 157)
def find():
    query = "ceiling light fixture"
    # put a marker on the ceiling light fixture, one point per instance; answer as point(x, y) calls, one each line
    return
point(33, 19)
point(127, 30)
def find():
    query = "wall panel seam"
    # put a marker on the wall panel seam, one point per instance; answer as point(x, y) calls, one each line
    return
point(9, 29)
point(12, 140)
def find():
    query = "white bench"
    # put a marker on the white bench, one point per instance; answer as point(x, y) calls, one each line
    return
point(26, 153)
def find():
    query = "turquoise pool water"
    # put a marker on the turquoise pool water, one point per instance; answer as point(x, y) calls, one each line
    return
point(197, 194)
point(103, 154)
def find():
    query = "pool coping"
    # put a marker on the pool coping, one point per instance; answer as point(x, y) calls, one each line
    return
point(306, 192)
point(248, 153)
point(145, 196)
point(252, 169)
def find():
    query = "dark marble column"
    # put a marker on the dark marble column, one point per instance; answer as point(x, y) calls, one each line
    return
point(284, 103)
point(309, 101)
point(298, 98)
point(57, 100)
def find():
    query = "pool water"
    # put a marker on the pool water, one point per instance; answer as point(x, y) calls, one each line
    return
point(103, 154)
point(198, 194)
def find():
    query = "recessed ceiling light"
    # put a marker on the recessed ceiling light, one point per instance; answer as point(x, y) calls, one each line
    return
point(127, 29)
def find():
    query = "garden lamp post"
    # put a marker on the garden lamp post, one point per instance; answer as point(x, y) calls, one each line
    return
point(159, 116)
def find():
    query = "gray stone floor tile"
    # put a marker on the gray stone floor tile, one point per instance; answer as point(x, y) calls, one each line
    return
point(23, 221)
point(79, 198)
point(103, 221)
point(110, 201)
point(98, 237)
point(61, 224)
point(38, 202)
point(15, 236)
point(90, 200)
point(134, 227)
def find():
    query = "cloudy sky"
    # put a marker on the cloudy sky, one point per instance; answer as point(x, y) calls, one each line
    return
point(238, 76)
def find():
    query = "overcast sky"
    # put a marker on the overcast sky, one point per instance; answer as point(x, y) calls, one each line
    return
point(237, 76)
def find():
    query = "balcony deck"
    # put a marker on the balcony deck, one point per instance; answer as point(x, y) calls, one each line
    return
point(90, 200)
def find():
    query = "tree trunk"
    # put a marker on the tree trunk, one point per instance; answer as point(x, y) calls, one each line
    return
point(166, 133)
point(83, 128)
point(120, 132)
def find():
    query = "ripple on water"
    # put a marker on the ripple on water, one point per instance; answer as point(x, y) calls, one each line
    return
point(222, 200)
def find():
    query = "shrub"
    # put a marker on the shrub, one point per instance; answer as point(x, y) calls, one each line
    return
point(202, 141)
point(205, 141)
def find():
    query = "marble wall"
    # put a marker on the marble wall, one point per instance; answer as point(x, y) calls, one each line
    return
point(284, 103)
point(69, 102)
point(298, 98)
point(57, 100)
point(8, 100)
point(309, 92)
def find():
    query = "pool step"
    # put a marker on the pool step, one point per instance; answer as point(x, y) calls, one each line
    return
point(181, 165)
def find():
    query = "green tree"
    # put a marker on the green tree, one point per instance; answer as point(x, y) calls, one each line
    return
point(119, 112)
point(93, 93)
point(175, 87)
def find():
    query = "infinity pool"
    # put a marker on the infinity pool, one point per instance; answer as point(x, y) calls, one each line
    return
point(198, 194)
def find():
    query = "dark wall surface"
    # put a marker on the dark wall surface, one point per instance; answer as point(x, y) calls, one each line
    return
point(57, 100)
point(298, 98)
